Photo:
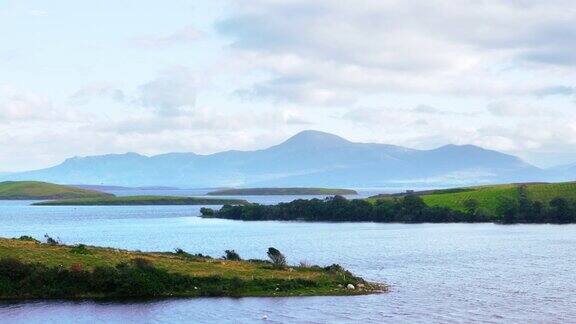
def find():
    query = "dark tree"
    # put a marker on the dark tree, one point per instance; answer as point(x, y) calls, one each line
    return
point(508, 210)
point(561, 211)
point(278, 259)
point(231, 255)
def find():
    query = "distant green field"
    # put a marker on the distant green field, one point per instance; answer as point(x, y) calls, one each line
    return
point(488, 197)
point(545, 192)
point(36, 190)
point(141, 200)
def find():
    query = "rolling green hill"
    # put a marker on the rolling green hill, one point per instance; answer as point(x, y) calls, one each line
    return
point(35, 190)
point(488, 197)
point(545, 192)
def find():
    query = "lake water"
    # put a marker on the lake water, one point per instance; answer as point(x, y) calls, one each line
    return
point(437, 272)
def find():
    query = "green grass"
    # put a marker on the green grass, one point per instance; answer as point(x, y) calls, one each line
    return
point(259, 278)
point(282, 191)
point(36, 190)
point(141, 200)
point(544, 192)
point(488, 197)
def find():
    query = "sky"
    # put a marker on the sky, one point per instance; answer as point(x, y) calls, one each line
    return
point(82, 78)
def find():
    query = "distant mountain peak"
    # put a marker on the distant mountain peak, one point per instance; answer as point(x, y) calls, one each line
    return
point(450, 147)
point(314, 138)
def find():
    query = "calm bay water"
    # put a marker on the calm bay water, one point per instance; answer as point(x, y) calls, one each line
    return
point(437, 272)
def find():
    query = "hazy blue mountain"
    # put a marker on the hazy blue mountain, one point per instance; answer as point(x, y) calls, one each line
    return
point(563, 172)
point(310, 158)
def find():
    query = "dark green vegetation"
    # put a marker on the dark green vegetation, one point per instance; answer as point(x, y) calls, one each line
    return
point(514, 203)
point(30, 269)
point(35, 190)
point(141, 200)
point(282, 191)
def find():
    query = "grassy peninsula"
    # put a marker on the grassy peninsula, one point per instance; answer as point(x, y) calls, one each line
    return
point(30, 269)
point(140, 200)
point(282, 192)
point(36, 190)
point(490, 198)
point(509, 204)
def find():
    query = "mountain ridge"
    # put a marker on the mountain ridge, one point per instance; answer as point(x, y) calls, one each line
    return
point(309, 158)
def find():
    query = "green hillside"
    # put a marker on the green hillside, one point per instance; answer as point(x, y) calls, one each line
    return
point(488, 197)
point(545, 192)
point(35, 190)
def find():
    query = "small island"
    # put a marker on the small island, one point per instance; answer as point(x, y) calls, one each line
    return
point(282, 192)
point(30, 269)
point(37, 190)
point(140, 201)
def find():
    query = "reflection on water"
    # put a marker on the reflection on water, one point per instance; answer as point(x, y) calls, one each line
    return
point(438, 272)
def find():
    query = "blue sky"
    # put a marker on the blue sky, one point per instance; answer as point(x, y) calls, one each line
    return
point(85, 78)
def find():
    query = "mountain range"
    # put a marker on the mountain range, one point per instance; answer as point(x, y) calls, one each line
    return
point(309, 158)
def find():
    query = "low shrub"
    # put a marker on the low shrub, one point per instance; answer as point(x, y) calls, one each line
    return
point(344, 275)
point(80, 249)
point(179, 251)
point(258, 261)
point(52, 241)
point(142, 263)
point(231, 255)
point(13, 269)
point(182, 253)
point(76, 267)
point(207, 212)
point(28, 238)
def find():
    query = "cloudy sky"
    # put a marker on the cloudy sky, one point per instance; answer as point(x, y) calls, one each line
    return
point(95, 77)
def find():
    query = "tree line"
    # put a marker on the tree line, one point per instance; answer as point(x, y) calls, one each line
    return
point(407, 209)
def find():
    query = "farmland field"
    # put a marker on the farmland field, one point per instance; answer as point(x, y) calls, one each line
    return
point(488, 197)
point(547, 191)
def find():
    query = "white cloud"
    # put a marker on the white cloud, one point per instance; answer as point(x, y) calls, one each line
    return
point(172, 93)
point(202, 119)
point(516, 109)
point(332, 53)
point(185, 35)
point(97, 90)
point(19, 105)
point(37, 13)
